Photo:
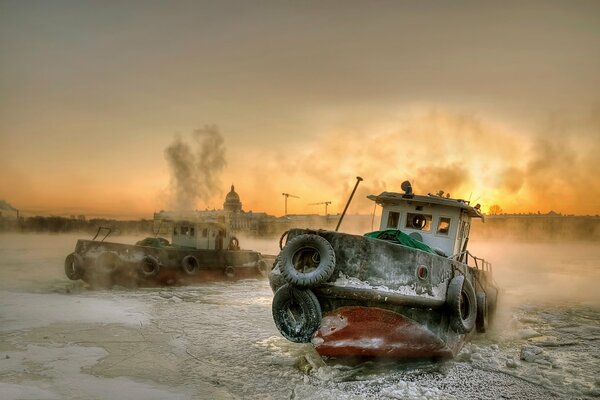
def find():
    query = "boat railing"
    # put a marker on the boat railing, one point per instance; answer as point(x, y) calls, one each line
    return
point(479, 263)
point(101, 228)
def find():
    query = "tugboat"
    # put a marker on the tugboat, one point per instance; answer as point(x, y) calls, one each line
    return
point(410, 290)
point(200, 251)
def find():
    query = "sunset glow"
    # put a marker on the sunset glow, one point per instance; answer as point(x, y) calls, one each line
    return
point(491, 106)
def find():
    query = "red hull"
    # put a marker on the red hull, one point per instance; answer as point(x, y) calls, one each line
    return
point(375, 332)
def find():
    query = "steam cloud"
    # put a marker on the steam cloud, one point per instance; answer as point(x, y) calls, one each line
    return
point(195, 167)
point(522, 170)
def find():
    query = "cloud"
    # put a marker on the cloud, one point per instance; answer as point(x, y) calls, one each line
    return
point(473, 157)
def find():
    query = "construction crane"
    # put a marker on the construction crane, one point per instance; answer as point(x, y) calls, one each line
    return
point(323, 202)
point(286, 197)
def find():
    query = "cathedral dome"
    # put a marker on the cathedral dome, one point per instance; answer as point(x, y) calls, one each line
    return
point(232, 201)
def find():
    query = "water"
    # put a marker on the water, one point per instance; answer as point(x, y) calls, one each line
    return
point(59, 339)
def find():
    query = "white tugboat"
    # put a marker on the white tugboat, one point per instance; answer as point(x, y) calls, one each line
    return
point(410, 290)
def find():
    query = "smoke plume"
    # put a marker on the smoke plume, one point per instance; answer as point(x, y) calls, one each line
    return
point(195, 167)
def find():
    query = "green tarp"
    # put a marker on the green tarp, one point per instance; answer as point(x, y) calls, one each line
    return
point(396, 236)
point(157, 242)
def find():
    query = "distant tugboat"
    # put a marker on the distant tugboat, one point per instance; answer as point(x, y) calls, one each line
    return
point(200, 251)
point(410, 290)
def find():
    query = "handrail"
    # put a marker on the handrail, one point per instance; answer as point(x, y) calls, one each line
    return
point(109, 229)
point(485, 265)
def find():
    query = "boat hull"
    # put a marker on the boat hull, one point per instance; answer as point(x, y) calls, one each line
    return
point(377, 304)
point(127, 270)
point(376, 332)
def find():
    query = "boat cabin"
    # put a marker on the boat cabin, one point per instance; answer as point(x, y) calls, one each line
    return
point(202, 235)
point(440, 222)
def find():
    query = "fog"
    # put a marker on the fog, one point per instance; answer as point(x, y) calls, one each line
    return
point(540, 166)
point(528, 272)
point(546, 273)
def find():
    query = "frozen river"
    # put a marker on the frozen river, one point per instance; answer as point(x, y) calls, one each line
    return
point(59, 340)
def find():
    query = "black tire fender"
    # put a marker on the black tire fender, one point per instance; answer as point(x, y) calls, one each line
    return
point(297, 313)
point(462, 303)
point(107, 262)
point(149, 266)
point(481, 323)
point(307, 251)
point(74, 266)
point(190, 265)
point(234, 243)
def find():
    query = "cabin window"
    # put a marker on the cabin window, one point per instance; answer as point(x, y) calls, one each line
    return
point(192, 233)
point(204, 232)
point(443, 226)
point(420, 222)
point(393, 218)
point(175, 231)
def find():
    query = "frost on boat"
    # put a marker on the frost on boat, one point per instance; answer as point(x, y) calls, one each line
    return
point(409, 290)
point(200, 250)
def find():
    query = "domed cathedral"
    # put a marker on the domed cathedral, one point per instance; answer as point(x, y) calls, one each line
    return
point(239, 220)
point(232, 202)
point(232, 214)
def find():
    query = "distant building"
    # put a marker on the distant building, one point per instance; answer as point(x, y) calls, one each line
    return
point(232, 214)
point(8, 212)
point(232, 202)
point(258, 223)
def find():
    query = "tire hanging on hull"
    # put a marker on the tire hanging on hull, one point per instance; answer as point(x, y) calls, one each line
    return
point(229, 271)
point(307, 260)
point(149, 266)
point(190, 265)
point(462, 302)
point(297, 313)
point(234, 243)
point(74, 266)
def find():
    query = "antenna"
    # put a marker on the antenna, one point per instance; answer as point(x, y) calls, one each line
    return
point(358, 180)
point(286, 197)
point(323, 202)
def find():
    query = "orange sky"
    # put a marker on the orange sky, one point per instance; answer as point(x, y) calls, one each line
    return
point(497, 103)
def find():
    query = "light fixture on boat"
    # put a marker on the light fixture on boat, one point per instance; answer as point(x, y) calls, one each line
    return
point(407, 187)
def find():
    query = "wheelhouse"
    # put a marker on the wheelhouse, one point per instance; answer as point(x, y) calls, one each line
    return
point(201, 235)
point(441, 223)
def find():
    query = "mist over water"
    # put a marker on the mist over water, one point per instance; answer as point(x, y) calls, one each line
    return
point(539, 273)
point(219, 341)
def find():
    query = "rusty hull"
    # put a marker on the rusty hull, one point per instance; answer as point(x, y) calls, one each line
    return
point(375, 332)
